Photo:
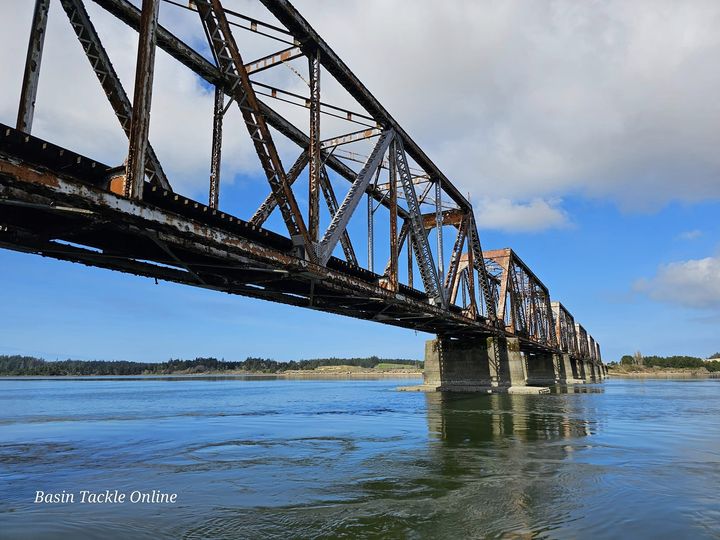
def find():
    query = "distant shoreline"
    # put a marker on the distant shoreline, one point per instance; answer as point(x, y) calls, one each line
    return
point(405, 374)
point(662, 373)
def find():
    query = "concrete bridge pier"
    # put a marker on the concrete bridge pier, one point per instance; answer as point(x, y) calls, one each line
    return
point(542, 369)
point(569, 375)
point(483, 365)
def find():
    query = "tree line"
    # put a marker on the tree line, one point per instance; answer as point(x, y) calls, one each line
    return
point(671, 361)
point(29, 365)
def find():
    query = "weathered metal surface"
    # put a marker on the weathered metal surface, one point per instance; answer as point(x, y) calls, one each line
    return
point(216, 155)
point(428, 271)
point(314, 149)
point(524, 301)
point(31, 76)
point(109, 80)
point(227, 55)
point(346, 209)
point(140, 118)
point(266, 62)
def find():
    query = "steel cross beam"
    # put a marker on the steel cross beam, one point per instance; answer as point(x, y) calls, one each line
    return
point(304, 34)
point(110, 82)
point(342, 216)
point(183, 53)
point(332, 205)
point(222, 43)
point(428, 271)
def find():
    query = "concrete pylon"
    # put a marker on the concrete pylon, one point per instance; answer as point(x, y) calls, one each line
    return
point(542, 369)
point(568, 375)
point(482, 365)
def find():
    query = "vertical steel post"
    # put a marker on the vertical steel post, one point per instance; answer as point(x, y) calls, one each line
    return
point(26, 109)
point(371, 219)
point(140, 120)
point(393, 221)
point(439, 226)
point(214, 197)
point(410, 257)
point(314, 149)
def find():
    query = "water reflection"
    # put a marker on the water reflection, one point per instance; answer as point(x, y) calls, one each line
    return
point(466, 419)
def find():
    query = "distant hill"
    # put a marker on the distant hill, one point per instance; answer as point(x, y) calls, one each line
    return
point(29, 365)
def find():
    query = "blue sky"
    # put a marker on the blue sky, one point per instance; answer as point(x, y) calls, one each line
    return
point(586, 135)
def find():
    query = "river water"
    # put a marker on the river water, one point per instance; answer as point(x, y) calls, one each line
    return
point(267, 458)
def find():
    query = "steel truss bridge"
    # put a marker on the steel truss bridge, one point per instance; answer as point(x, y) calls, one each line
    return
point(434, 275)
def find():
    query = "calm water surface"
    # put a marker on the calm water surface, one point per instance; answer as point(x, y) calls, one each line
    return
point(345, 459)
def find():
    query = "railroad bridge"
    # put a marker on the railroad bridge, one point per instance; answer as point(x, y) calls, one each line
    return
point(358, 181)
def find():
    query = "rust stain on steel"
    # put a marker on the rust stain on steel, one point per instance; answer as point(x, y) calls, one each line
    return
point(27, 174)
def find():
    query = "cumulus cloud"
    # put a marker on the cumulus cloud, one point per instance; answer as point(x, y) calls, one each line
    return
point(693, 283)
point(520, 104)
point(521, 100)
point(508, 216)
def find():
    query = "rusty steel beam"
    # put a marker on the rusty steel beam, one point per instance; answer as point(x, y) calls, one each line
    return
point(350, 138)
point(332, 205)
point(266, 62)
point(186, 55)
point(224, 47)
point(270, 203)
point(140, 118)
point(109, 80)
point(314, 149)
point(451, 280)
point(423, 255)
point(213, 252)
point(31, 76)
point(453, 217)
point(308, 37)
point(393, 271)
point(341, 218)
point(215, 158)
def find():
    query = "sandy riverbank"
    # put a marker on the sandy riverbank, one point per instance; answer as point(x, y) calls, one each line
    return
point(662, 373)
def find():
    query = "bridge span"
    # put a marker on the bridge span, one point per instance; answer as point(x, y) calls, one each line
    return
point(497, 326)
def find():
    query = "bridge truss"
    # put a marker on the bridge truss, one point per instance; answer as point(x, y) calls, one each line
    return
point(436, 277)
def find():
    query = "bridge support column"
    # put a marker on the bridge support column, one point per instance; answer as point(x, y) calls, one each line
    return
point(542, 369)
point(457, 365)
point(569, 375)
point(482, 365)
point(587, 371)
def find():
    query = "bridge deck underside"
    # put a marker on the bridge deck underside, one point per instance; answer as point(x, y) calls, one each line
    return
point(55, 203)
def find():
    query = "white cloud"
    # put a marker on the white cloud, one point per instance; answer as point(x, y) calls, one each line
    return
point(506, 215)
point(693, 283)
point(690, 235)
point(544, 99)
